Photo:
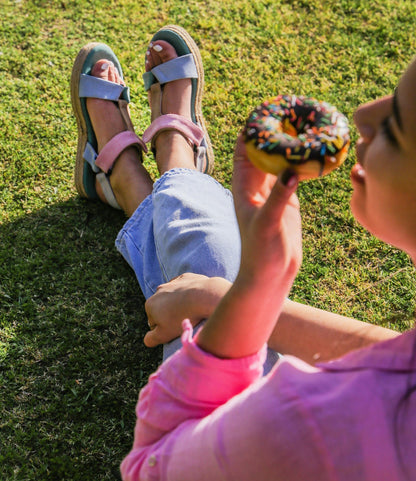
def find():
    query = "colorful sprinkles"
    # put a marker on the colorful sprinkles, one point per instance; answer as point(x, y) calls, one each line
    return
point(298, 128)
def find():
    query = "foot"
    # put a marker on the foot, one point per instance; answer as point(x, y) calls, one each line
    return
point(172, 149)
point(129, 180)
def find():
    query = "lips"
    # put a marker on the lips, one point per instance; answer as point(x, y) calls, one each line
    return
point(357, 174)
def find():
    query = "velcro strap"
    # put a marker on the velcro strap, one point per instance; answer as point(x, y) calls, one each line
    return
point(175, 69)
point(115, 147)
point(94, 87)
point(175, 122)
point(90, 156)
point(107, 190)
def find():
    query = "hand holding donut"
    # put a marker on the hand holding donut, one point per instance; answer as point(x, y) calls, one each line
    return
point(271, 250)
point(267, 210)
point(300, 133)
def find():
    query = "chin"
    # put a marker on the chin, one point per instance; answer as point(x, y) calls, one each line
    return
point(359, 212)
point(357, 209)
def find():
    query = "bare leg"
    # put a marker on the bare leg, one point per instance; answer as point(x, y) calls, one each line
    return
point(130, 181)
point(172, 149)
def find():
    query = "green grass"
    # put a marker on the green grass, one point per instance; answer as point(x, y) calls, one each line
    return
point(71, 313)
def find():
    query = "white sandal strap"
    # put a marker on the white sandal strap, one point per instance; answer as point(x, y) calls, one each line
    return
point(175, 69)
point(95, 87)
point(107, 190)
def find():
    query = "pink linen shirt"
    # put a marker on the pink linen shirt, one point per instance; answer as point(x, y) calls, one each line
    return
point(201, 418)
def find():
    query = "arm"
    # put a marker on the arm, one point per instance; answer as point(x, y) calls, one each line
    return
point(271, 250)
point(303, 331)
point(193, 383)
point(315, 335)
point(308, 333)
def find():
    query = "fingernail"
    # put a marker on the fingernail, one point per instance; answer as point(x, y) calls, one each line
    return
point(158, 48)
point(288, 178)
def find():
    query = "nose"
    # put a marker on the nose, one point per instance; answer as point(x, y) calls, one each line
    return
point(369, 116)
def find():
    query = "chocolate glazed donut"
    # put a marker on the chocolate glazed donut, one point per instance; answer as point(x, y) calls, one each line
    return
point(301, 133)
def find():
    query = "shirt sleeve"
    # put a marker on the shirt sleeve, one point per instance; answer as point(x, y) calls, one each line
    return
point(188, 386)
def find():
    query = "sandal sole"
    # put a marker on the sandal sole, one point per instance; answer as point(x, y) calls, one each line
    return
point(87, 57)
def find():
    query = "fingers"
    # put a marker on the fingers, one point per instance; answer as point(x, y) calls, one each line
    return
point(248, 180)
point(240, 153)
point(250, 185)
point(151, 338)
point(254, 189)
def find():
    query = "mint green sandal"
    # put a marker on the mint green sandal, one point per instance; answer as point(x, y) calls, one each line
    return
point(91, 166)
point(188, 64)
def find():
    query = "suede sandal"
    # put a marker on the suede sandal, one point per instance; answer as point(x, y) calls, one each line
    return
point(188, 64)
point(90, 165)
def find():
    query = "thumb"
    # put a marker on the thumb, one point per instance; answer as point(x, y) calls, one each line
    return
point(151, 338)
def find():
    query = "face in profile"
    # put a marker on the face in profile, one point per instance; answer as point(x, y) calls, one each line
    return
point(384, 178)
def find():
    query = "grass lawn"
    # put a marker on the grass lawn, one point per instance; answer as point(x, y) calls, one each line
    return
point(71, 313)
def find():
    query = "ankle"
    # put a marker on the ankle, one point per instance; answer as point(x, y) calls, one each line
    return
point(173, 151)
point(130, 181)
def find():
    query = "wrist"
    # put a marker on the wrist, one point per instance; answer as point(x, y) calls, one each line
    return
point(213, 290)
point(270, 277)
point(205, 295)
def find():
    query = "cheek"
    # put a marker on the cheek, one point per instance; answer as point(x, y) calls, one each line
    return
point(385, 201)
point(386, 210)
point(369, 207)
point(373, 202)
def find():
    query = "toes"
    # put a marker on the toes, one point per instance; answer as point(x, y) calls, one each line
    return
point(106, 70)
point(159, 52)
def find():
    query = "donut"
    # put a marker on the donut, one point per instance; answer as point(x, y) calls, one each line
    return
point(301, 133)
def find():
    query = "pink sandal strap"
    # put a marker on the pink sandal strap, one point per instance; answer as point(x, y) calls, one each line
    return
point(185, 126)
point(106, 158)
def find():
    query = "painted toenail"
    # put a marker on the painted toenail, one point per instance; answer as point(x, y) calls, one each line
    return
point(148, 53)
point(105, 66)
point(158, 48)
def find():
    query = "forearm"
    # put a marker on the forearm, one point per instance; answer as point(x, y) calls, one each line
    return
point(245, 317)
point(316, 335)
point(304, 331)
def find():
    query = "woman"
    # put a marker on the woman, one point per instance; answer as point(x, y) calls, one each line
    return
point(207, 413)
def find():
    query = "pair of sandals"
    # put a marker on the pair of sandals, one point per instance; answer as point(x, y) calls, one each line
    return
point(91, 166)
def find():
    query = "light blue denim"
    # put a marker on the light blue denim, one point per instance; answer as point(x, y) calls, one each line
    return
point(187, 224)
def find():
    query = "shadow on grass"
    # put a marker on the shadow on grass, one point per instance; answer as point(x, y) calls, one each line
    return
point(72, 358)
